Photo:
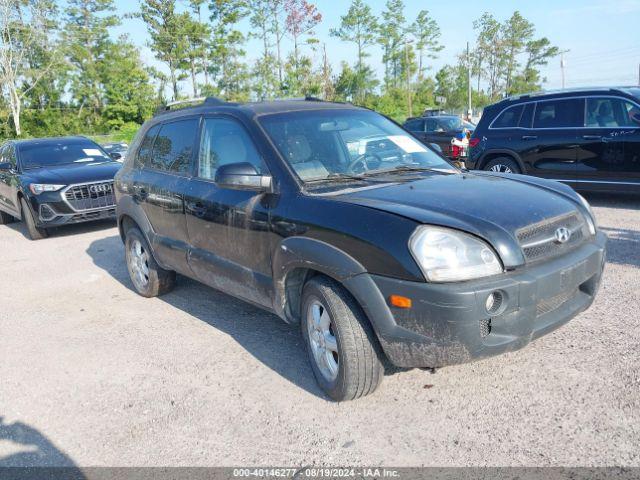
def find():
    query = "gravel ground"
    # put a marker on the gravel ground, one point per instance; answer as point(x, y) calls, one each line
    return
point(91, 374)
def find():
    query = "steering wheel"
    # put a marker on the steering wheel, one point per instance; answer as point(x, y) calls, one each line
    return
point(363, 162)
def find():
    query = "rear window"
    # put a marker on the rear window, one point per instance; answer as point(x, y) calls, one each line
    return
point(559, 113)
point(173, 147)
point(48, 153)
point(527, 115)
point(509, 118)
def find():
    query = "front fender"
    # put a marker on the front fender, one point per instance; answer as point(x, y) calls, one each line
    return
point(308, 254)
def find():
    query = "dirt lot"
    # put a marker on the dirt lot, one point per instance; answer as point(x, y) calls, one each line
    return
point(93, 374)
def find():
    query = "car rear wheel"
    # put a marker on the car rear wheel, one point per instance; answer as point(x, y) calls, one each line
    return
point(148, 278)
point(342, 347)
point(35, 232)
point(503, 165)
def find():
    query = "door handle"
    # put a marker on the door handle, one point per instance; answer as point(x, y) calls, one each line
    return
point(197, 208)
point(592, 137)
point(529, 137)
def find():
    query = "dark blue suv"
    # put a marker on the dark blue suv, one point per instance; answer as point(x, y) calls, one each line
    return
point(588, 139)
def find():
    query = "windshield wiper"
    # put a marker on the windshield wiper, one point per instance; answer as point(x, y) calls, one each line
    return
point(407, 168)
point(342, 177)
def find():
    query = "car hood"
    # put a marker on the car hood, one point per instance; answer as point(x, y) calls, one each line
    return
point(490, 206)
point(73, 173)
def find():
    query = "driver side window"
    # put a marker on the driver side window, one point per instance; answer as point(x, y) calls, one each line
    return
point(225, 141)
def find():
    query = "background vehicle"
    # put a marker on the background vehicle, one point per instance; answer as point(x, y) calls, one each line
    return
point(386, 251)
point(117, 150)
point(589, 138)
point(55, 181)
point(442, 130)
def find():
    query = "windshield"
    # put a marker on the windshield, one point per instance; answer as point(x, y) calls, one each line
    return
point(327, 144)
point(51, 153)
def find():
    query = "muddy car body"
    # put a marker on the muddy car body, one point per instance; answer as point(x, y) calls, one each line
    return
point(417, 262)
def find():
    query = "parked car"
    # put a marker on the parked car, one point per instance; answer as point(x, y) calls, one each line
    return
point(51, 182)
point(430, 112)
point(117, 150)
point(588, 138)
point(447, 131)
point(409, 259)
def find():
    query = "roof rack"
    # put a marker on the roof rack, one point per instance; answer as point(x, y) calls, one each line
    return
point(193, 102)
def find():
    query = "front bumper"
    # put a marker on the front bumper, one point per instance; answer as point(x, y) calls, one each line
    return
point(449, 324)
point(49, 210)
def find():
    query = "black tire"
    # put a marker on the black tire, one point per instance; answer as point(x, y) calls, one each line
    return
point(5, 218)
point(35, 233)
point(359, 369)
point(503, 165)
point(156, 280)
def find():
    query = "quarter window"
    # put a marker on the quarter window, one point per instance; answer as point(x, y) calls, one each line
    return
point(225, 141)
point(173, 147)
point(611, 112)
point(559, 113)
point(144, 152)
point(509, 118)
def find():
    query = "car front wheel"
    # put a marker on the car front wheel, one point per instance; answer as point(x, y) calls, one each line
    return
point(35, 232)
point(342, 347)
point(148, 278)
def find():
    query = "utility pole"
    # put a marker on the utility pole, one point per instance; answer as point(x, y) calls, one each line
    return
point(562, 66)
point(639, 74)
point(469, 109)
point(408, 75)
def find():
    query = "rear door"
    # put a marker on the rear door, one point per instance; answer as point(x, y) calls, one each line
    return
point(607, 152)
point(229, 230)
point(551, 144)
point(416, 127)
point(161, 185)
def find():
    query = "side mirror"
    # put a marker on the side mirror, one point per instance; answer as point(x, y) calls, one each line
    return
point(242, 176)
point(116, 155)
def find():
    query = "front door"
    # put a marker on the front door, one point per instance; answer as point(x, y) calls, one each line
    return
point(230, 230)
point(160, 188)
point(9, 181)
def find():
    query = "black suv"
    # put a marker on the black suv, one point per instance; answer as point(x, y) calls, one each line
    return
point(589, 139)
point(287, 206)
point(51, 182)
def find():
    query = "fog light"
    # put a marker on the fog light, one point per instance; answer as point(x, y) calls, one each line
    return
point(46, 212)
point(494, 302)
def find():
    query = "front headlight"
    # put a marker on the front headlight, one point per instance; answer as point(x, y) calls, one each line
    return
point(591, 218)
point(446, 255)
point(38, 188)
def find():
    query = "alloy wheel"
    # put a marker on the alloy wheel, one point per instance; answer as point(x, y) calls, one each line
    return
point(501, 168)
point(139, 264)
point(322, 340)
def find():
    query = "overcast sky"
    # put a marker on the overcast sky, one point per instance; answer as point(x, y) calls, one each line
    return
point(602, 37)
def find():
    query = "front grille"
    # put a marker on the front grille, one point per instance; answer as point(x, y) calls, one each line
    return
point(538, 241)
point(91, 196)
point(552, 304)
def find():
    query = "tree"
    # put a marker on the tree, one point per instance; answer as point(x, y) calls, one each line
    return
point(516, 33)
point(392, 36)
point(227, 47)
point(86, 36)
point(25, 26)
point(358, 26)
point(167, 35)
point(302, 18)
point(195, 47)
point(267, 83)
point(427, 33)
point(490, 49)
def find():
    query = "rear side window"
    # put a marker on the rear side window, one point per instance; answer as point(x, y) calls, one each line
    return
point(173, 147)
point(509, 118)
point(416, 125)
point(144, 152)
point(559, 113)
